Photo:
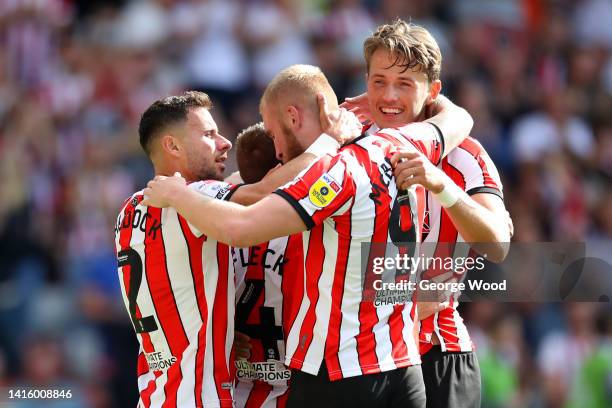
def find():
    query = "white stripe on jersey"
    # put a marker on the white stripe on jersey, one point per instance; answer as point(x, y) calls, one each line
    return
point(463, 161)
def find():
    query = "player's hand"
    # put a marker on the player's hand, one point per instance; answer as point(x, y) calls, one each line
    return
point(161, 190)
point(426, 309)
point(434, 301)
point(340, 124)
point(411, 167)
point(242, 345)
point(360, 106)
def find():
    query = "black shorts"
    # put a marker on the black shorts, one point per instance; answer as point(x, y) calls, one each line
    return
point(402, 387)
point(451, 379)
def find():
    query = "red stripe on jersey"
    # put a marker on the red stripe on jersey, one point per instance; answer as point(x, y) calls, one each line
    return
point(145, 395)
point(448, 327)
point(142, 366)
point(293, 281)
point(163, 298)
point(258, 394)
point(332, 343)
point(281, 401)
point(219, 326)
point(194, 248)
point(315, 256)
point(473, 147)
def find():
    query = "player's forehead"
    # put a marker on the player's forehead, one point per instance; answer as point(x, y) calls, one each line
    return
point(385, 63)
point(270, 121)
point(200, 119)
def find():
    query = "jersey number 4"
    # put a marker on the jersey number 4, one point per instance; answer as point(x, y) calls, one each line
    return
point(266, 330)
point(131, 258)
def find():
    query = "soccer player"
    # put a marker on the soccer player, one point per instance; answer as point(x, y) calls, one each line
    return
point(178, 283)
point(473, 207)
point(341, 201)
point(264, 273)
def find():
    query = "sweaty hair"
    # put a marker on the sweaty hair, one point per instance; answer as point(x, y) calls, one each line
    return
point(413, 46)
point(299, 84)
point(167, 112)
point(255, 153)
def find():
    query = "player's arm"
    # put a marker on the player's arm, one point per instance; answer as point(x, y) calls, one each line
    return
point(481, 218)
point(248, 194)
point(226, 222)
point(452, 121)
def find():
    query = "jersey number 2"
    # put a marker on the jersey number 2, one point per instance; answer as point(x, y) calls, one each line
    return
point(130, 257)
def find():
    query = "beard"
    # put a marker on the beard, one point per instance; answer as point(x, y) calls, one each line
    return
point(294, 149)
point(203, 168)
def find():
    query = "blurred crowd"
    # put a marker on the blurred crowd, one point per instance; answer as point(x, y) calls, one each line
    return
point(75, 75)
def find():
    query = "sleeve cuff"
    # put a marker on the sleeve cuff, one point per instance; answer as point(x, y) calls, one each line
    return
point(306, 218)
point(485, 190)
point(441, 138)
point(232, 191)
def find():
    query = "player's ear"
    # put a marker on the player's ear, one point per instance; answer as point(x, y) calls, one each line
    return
point(294, 119)
point(170, 144)
point(434, 90)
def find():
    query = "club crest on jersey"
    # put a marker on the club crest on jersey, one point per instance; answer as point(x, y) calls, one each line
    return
point(323, 191)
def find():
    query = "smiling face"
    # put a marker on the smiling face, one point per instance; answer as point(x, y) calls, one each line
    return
point(205, 150)
point(397, 95)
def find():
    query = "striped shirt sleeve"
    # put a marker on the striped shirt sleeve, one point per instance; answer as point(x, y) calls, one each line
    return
point(427, 142)
point(322, 191)
point(479, 171)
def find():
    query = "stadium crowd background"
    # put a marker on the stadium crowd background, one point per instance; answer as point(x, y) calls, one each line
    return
point(536, 75)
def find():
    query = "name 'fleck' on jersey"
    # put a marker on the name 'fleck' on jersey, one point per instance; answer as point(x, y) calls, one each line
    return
point(178, 287)
point(471, 168)
point(347, 200)
point(264, 274)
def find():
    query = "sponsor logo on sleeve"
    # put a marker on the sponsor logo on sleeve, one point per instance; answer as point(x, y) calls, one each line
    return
point(223, 192)
point(323, 191)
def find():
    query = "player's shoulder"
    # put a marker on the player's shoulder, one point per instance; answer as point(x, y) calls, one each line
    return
point(220, 190)
point(133, 200)
point(471, 146)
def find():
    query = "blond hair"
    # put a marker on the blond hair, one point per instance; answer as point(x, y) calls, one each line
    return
point(299, 85)
point(414, 47)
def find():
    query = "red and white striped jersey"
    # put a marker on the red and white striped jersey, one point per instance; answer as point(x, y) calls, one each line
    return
point(178, 287)
point(264, 273)
point(471, 168)
point(347, 200)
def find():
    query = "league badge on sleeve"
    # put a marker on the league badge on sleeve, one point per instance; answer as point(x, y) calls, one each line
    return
point(323, 191)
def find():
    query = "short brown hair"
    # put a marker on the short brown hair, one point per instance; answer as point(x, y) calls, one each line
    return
point(166, 112)
point(413, 46)
point(299, 84)
point(255, 153)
